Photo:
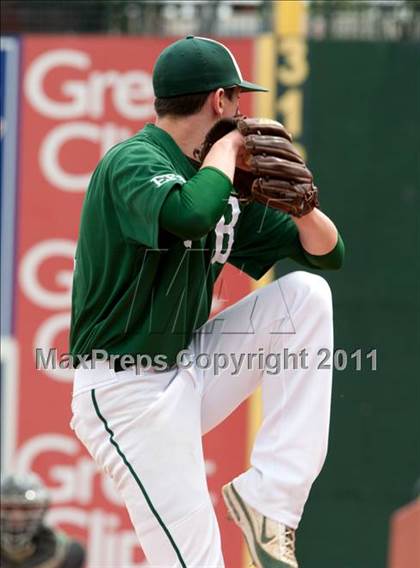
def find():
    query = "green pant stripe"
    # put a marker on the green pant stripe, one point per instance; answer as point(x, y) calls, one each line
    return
point(135, 476)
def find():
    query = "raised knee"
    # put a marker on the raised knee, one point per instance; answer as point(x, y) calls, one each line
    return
point(316, 284)
point(312, 287)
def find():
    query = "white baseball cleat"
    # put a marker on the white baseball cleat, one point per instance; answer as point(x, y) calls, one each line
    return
point(271, 544)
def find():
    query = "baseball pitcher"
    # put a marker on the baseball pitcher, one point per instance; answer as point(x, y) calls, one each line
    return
point(164, 211)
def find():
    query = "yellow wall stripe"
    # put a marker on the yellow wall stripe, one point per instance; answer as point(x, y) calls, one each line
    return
point(263, 106)
point(265, 72)
point(289, 17)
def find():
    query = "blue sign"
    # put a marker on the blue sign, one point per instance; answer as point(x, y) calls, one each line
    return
point(9, 108)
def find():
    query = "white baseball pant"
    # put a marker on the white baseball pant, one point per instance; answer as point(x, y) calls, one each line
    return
point(145, 429)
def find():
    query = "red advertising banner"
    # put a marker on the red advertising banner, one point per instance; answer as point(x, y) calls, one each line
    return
point(79, 97)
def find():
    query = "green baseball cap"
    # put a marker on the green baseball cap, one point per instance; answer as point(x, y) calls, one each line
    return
point(197, 65)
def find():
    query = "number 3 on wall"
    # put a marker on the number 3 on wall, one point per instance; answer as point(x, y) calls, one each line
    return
point(294, 69)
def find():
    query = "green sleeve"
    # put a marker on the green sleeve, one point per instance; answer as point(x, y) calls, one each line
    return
point(193, 209)
point(140, 178)
point(266, 236)
point(333, 260)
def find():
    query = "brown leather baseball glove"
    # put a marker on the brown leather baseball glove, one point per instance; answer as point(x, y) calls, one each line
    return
point(271, 171)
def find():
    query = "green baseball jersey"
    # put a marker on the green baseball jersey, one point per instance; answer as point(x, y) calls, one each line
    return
point(138, 290)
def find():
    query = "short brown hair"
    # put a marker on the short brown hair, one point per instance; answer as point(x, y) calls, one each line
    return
point(185, 105)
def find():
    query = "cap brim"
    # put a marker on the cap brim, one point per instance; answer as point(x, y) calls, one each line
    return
point(247, 86)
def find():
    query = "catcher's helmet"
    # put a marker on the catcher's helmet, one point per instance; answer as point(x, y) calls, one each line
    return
point(24, 502)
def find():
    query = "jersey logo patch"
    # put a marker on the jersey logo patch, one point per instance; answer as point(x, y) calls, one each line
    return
point(162, 179)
